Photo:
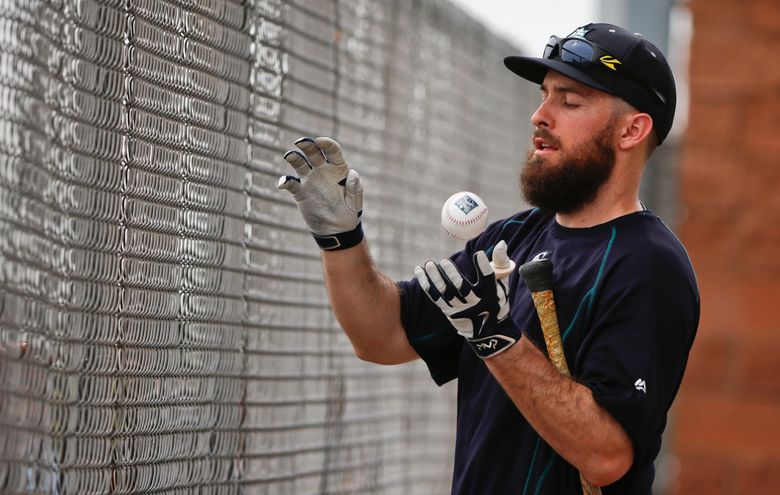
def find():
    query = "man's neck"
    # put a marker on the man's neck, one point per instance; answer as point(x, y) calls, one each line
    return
point(599, 211)
point(618, 196)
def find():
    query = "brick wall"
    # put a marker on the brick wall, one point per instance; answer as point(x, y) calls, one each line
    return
point(728, 414)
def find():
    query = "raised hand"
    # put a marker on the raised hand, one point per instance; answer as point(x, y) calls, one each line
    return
point(328, 193)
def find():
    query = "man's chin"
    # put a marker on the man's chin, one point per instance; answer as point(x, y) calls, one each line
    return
point(565, 189)
point(540, 159)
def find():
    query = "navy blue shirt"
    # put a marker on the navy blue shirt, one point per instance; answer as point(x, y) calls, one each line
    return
point(628, 309)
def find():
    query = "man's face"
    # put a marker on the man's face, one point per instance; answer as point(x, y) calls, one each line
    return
point(573, 151)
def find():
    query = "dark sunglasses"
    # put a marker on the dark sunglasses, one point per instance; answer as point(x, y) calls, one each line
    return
point(584, 53)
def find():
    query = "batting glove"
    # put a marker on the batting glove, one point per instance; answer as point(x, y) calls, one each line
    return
point(478, 310)
point(328, 193)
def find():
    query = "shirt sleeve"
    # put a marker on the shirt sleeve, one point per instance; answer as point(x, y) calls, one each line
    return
point(429, 332)
point(637, 347)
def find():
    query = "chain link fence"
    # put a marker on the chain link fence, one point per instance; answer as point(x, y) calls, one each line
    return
point(163, 322)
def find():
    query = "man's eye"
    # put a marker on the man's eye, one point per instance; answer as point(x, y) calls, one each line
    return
point(570, 104)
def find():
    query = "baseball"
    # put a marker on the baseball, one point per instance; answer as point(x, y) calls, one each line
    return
point(464, 216)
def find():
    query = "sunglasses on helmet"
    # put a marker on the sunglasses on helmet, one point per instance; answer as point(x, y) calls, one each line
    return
point(584, 53)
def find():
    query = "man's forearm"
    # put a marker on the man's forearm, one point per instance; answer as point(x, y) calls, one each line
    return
point(564, 413)
point(367, 305)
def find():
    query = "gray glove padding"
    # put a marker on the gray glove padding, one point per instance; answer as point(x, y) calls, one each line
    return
point(328, 193)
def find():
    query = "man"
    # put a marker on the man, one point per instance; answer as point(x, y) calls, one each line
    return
point(625, 290)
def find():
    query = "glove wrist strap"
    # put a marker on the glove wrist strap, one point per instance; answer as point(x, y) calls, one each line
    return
point(342, 240)
point(489, 346)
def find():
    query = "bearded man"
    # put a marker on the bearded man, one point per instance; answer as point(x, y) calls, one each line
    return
point(626, 293)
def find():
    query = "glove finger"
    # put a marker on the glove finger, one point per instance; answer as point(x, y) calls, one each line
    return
point(484, 267)
point(332, 151)
point(443, 284)
point(462, 287)
point(298, 162)
point(290, 183)
point(451, 271)
point(313, 152)
point(438, 283)
point(354, 192)
point(503, 289)
point(502, 300)
point(425, 283)
point(432, 270)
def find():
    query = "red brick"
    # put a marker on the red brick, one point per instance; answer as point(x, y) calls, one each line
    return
point(704, 474)
point(727, 14)
point(765, 14)
point(741, 427)
point(758, 476)
point(758, 298)
point(756, 244)
point(704, 260)
point(715, 122)
point(721, 311)
point(746, 248)
point(712, 347)
point(731, 61)
point(763, 121)
point(726, 437)
point(743, 306)
point(761, 368)
point(709, 177)
point(732, 210)
point(743, 126)
point(731, 206)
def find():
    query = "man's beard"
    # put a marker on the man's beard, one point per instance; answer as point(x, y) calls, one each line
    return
point(568, 186)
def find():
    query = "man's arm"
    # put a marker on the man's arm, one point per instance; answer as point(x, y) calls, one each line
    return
point(367, 305)
point(564, 413)
point(330, 198)
point(561, 410)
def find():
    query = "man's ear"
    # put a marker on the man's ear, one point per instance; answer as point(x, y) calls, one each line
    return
point(636, 128)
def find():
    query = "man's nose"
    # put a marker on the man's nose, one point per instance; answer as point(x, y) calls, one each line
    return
point(541, 117)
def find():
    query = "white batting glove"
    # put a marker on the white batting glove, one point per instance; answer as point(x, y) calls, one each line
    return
point(328, 193)
point(478, 310)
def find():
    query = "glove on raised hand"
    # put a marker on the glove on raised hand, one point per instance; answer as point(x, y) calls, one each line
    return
point(478, 310)
point(328, 193)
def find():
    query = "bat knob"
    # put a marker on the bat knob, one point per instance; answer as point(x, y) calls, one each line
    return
point(503, 271)
point(502, 265)
point(538, 275)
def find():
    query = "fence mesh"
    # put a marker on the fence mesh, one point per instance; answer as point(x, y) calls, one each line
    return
point(163, 321)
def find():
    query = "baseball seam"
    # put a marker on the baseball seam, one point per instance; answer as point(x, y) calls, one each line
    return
point(450, 233)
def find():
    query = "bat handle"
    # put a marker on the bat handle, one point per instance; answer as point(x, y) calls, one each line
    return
point(587, 488)
point(539, 279)
point(548, 317)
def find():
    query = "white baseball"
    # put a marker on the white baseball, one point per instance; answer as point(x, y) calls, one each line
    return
point(464, 215)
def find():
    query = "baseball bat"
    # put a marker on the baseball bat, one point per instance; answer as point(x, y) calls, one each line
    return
point(538, 276)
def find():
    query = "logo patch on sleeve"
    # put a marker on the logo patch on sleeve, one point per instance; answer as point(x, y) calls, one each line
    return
point(641, 385)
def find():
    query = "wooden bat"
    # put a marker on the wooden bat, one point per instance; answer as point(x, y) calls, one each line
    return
point(538, 276)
